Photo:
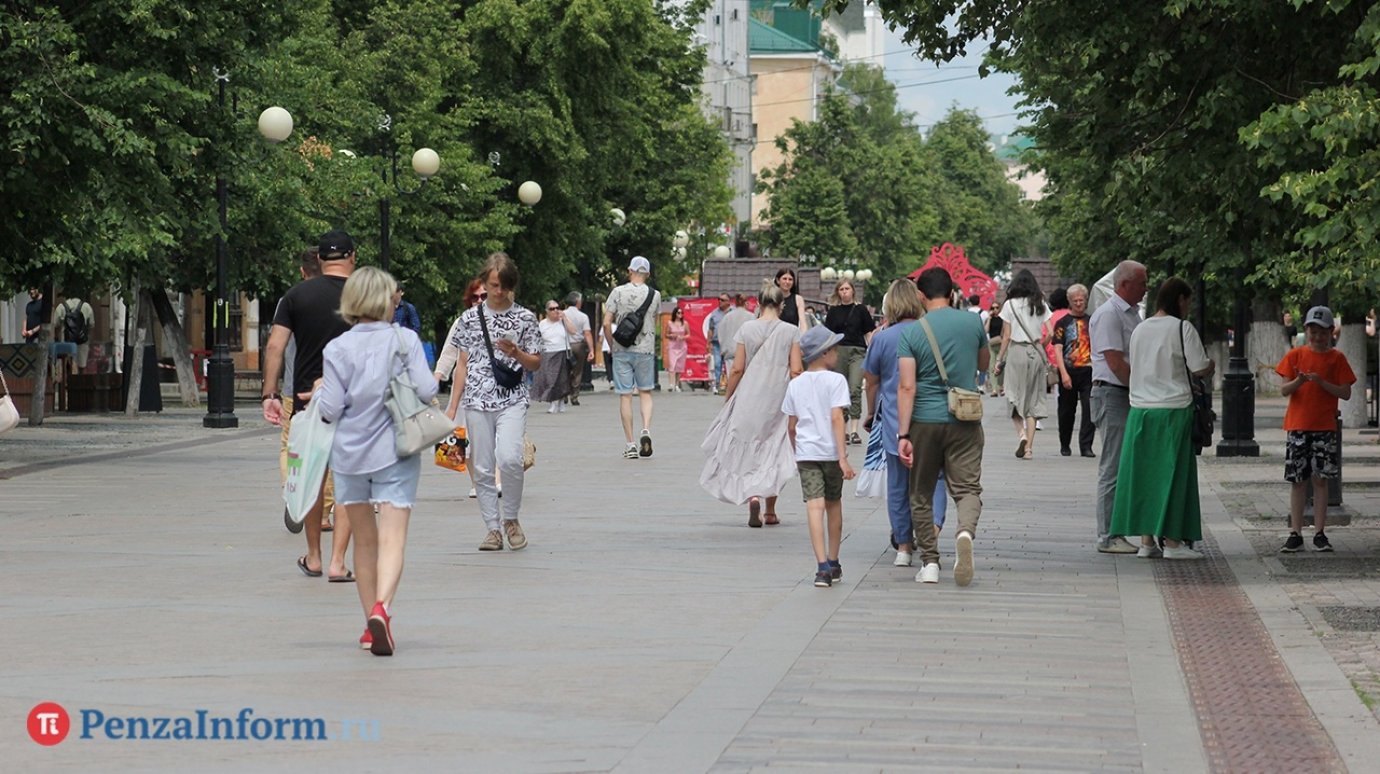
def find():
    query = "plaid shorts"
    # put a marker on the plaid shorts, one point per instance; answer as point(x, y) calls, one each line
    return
point(1309, 453)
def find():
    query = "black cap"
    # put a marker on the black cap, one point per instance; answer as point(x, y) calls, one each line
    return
point(334, 245)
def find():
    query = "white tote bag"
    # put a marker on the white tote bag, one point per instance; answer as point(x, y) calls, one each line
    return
point(9, 414)
point(309, 452)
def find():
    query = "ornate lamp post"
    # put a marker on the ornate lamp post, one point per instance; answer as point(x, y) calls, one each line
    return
point(275, 124)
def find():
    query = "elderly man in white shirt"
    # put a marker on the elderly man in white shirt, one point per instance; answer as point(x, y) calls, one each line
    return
point(1110, 334)
point(581, 344)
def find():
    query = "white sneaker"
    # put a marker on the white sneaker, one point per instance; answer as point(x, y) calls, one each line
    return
point(560, 407)
point(963, 565)
point(902, 559)
point(1181, 552)
point(928, 574)
point(473, 494)
point(1149, 552)
point(552, 410)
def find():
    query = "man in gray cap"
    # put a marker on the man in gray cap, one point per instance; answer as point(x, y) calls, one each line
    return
point(634, 365)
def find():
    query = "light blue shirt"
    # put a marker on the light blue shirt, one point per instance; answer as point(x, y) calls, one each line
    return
point(881, 361)
point(358, 365)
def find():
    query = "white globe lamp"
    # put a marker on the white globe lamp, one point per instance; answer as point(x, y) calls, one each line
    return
point(848, 274)
point(426, 162)
point(618, 217)
point(529, 193)
point(275, 124)
point(722, 252)
point(828, 274)
point(681, 239)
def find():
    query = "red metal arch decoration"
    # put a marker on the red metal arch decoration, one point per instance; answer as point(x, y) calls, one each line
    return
point(968, 280)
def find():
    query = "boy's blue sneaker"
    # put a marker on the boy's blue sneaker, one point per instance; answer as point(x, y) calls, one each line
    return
point(1321, 543)
point(1293, 544)
point(824, 579)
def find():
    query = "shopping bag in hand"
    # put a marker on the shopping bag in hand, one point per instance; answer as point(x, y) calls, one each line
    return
point(309, 452)
point(871, 482)
point(450, 452)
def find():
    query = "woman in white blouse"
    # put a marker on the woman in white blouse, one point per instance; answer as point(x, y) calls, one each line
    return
point(552, 382)
point(1157, 480)
point(1024, 334)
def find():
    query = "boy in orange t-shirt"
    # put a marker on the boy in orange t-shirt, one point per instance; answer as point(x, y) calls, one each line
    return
point(1317, 377)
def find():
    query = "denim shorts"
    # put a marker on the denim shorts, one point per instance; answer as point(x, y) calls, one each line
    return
point(395, 484)
point(633, 371)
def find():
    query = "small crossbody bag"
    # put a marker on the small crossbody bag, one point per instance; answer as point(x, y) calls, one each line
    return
point(964, 405)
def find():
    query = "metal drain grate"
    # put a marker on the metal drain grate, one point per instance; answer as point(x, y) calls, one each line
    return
point(1251, 714)
point(1352, 619)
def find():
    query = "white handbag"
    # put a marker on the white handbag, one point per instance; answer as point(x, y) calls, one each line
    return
point(9, 414)
point(417, 425)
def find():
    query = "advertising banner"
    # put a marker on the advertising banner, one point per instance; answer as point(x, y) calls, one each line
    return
point(697, 311)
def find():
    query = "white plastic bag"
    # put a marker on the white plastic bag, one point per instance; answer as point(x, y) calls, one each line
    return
point(309, 452)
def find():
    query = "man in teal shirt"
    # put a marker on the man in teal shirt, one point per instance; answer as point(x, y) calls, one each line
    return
point(943, 442)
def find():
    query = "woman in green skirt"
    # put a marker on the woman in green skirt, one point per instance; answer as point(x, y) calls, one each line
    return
point(1157, 482)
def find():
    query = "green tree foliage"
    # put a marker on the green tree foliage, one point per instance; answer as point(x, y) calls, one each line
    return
point(115, 138)
point(1145, 122)
point(1325, 149)
point(861, 186)
point(978, 207)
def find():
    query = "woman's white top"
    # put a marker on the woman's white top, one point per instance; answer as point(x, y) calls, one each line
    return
point(1017, 312)
point(554, 336)
point(1158, 375)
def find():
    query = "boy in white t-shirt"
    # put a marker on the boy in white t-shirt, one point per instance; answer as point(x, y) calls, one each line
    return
point(816, 401)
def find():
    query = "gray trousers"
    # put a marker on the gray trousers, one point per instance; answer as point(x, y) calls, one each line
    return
point(1110, 405)
point(496, 441)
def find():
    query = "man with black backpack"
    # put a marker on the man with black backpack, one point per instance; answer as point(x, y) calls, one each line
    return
point(630, 328)
point(73, 321)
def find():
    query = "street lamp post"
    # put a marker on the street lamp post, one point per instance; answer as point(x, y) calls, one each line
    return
point(275, 124)
point(425, 162)
point(1238, 396)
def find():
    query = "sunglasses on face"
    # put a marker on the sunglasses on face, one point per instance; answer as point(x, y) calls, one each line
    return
point(553, 309)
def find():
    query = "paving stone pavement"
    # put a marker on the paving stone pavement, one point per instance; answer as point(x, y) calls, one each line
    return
point(646, 628)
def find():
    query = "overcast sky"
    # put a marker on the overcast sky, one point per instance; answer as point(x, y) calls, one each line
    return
point(930, 101)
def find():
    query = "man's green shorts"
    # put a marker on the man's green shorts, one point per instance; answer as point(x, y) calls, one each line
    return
point(821, 480)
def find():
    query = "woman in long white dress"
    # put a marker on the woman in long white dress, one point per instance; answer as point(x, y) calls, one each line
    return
point(748, 451)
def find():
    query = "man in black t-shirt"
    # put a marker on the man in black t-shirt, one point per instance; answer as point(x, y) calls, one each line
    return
point(33, 315)
point(310, 314)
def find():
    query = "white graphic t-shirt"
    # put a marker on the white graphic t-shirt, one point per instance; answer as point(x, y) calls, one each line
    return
point(482, 393)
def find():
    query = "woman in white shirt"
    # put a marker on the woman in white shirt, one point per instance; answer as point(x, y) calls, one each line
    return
point(364, 460)
point(552, 381)
point(1024, 334)
point(1157, 481)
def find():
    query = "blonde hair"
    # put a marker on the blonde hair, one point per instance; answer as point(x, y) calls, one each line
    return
point(835, 300)
point(368, 295)
point(771, 295)
point(902, 302)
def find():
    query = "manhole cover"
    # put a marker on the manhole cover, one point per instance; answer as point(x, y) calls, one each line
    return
point(1352, 619)
point(1331, 566)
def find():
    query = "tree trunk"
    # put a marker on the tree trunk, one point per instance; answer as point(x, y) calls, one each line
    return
point(134, 375)
point(38, 401)
point(1266, 345)
point(176, 337)
point(1353, 344)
